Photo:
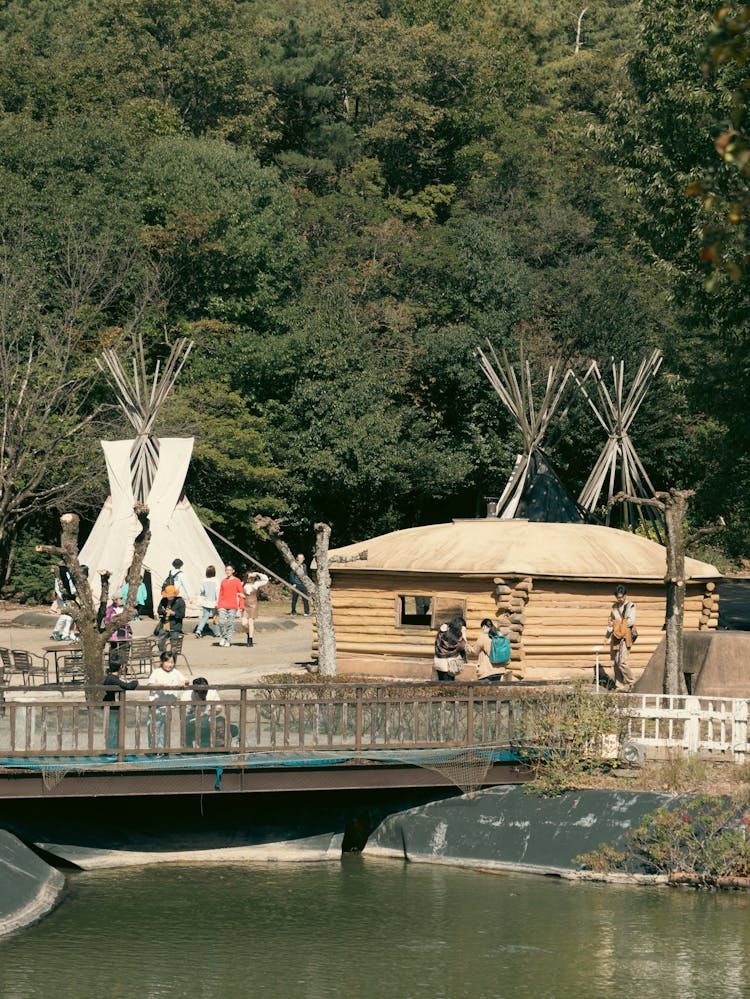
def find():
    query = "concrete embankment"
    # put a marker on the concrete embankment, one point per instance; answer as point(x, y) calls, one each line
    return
point(508, 828)
point(118, 831)
point(29, 888)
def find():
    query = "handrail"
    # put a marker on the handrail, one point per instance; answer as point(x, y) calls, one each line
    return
point(252, 718)
point(72, 720)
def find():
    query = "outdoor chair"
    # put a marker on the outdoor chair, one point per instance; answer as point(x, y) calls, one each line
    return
point(70, 667)
point(142, 655)
point(7, 663)
point(30, 666)
point(175, 647)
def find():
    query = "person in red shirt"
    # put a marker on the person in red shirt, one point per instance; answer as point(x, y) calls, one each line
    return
point(231, 599)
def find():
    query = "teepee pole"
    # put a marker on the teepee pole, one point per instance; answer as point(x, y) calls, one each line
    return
point(616, 412)
point(141, 399)
point(515, 387)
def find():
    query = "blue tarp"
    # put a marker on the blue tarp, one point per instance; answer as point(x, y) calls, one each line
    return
point(191, 761)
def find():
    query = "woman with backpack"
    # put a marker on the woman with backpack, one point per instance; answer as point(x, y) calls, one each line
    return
point(253, 582)
point(487, 649)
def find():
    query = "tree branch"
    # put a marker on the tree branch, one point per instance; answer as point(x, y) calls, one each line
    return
point(623, 497)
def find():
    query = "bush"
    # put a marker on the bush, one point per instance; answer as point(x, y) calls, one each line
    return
point(705, 837)
point(566, 735)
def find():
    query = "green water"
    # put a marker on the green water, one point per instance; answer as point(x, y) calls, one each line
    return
point(375, 928)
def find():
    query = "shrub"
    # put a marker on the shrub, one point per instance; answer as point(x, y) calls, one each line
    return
point(565, 735)
point(704, 836)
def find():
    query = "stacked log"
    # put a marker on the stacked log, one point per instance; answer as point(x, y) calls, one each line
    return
point(709, 616)
point(366, 617)
point(512, 597)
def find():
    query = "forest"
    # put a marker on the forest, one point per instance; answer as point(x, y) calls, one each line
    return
point(338, 201)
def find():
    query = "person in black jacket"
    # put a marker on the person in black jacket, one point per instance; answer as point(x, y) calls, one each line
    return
point(114, 683)
point(171, 613)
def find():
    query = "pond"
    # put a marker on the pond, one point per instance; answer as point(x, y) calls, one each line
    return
point(371, 928)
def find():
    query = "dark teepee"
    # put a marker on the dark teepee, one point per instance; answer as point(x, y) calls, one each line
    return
point(534, 491)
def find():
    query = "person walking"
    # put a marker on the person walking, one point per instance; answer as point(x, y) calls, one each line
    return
point(450, 649)
point(209, 598)
point(296, 581)
point(621, 633)
point(231, 599)
point(254, 581)
point(176, 577)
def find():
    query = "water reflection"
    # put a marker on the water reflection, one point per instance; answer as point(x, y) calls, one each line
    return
point(375, 928)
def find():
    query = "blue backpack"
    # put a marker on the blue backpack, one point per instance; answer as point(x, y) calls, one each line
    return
point(500, 650)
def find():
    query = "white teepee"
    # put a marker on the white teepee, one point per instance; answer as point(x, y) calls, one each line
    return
point(153, 471)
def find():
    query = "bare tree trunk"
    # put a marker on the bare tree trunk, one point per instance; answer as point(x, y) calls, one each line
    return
point(84, 611)
point(675, 508)
point(673, 504)
point(320, 590)
point(323, 605)
point(578, 30)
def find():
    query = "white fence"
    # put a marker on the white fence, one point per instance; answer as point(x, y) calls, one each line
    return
point(711, 726)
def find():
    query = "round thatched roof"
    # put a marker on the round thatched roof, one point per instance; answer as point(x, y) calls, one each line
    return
point(518, 548)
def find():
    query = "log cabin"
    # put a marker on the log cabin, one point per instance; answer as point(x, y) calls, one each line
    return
point(550, 584)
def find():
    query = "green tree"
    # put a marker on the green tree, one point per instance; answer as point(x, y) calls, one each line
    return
point(223, 231)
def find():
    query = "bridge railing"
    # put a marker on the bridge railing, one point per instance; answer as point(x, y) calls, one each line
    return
point(244, 719)
point(62, 722)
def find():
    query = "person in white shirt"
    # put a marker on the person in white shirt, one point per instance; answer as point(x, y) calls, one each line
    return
point(209, 598)
point(164, 676)
point(252, 582)
point(177, 576)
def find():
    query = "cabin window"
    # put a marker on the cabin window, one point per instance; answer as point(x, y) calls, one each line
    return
point(413, 609)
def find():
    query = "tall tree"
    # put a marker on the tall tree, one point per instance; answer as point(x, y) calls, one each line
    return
point(50, 316)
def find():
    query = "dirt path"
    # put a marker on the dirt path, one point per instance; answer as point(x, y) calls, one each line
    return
point(283, 644)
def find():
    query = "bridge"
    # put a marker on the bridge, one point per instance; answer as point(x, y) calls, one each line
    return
point(64, 741)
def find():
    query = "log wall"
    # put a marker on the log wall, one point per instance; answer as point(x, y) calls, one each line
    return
point(554, 624)
point(564, 620)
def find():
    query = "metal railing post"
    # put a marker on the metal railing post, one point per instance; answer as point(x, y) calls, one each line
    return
point(358, 721)
point(243, 719)
point(120, 729)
